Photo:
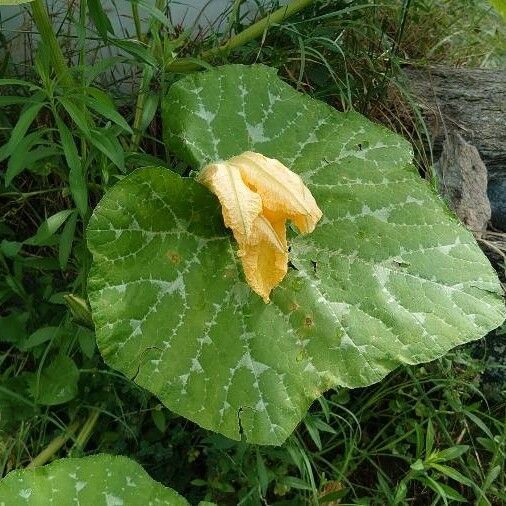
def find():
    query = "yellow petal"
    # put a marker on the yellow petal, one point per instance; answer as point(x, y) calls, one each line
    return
point(264, 257)
point(282, 191)
point(240, 205)
point(258, 194)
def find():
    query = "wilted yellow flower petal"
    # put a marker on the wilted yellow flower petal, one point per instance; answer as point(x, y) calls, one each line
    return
point(282, 191)
point(240, 205)
point(258, 195)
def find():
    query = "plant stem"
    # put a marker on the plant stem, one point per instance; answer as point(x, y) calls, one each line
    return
point(252, 32)
point(147, 76)
point(86, 430)
point(43, 23)
point(137, 21)
point(53, 446)
point(257, 29)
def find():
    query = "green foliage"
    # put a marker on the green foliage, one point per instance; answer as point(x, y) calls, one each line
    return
point(171, 308)
point(356, 446)
point(87, 480)
point(500, 6)
point(14, 2)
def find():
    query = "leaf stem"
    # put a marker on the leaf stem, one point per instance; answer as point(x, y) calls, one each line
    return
point(86, 430)
point(53, 446)
point(45, 27)
point(252, 32)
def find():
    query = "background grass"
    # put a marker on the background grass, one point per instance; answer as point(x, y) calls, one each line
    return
point(434, 434)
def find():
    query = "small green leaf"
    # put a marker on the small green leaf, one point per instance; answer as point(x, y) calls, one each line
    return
point(449, 492)
point(106, 108)
point(10, 248)
point(108, 144)
point(294, 482)
point(17, 82)
point(21, 156)
point(99, 479)
point(500, 7)
point(449, 453)
point(263, 477)
point(435, 486)
point(479, 423)
point(158, 417)
point(77, 177)
point(429, 438)
point(13, 327)
point(57, 383)
point(23, 124)
point(48, 228)
point(5, 101)
point(149, 111)
point(87, 343)
point(99, 18)
point(76, 112)
point(155, 13)
point(453, 474)
point(66, 240)
point(138, 50)
point(14, 404)
point(41, 336)
point(400, 493)
point(417, 465)
point(313, 432)
point(492, 475)
point(80, 310)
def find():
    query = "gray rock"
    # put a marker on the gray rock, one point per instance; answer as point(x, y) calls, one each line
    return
point(462, 179)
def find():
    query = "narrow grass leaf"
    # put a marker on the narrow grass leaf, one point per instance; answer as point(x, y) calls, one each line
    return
point(102, 139)
point(18, 132)
point(429, 438)
point(136, 49)
point(155, 13)
point(449, 453)
point(453, 474)
point(77, 178)
point(479, 423)
point(99, 18)
point(107, 110)
point(66, 240)
point(149, 111)
point(76, 114)
point(263, 477)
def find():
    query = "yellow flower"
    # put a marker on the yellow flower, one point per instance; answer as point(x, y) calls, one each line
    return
point(257, 195)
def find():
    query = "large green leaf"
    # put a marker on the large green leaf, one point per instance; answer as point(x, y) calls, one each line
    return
point(91, 481)
point(388, 277)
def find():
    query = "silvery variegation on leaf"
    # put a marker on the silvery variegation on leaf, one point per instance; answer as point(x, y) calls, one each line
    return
point(87, 481)
point(387, 277)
